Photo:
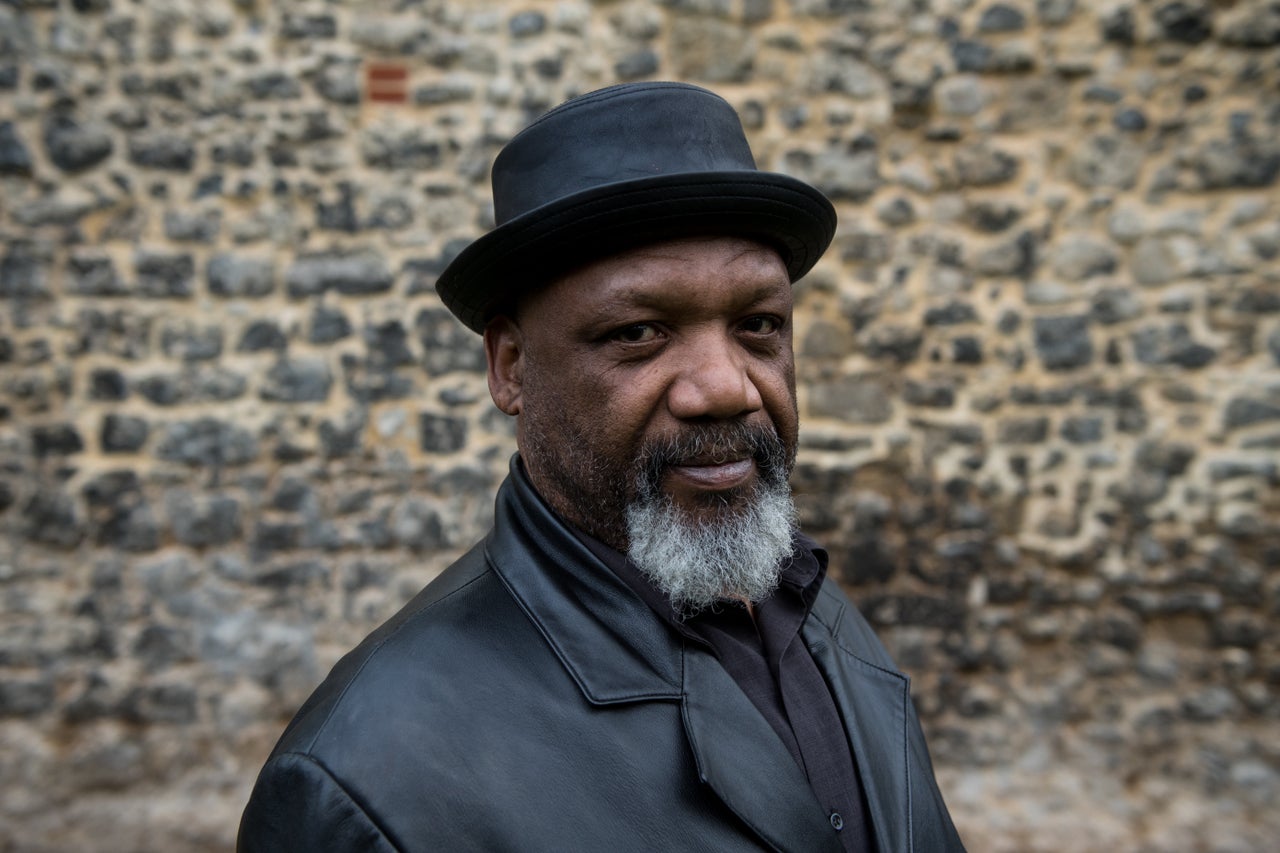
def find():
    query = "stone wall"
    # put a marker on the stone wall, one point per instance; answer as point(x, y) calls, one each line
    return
point(1039, 370)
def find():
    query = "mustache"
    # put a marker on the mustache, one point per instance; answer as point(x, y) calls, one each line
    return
point(715, 444)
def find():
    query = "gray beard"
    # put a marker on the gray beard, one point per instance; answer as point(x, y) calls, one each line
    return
point(696, 563)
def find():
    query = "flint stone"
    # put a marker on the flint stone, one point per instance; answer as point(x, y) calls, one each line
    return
point(1011, 257)
point(1241, 162)
point(26, 697)
point(853, 399)
point(1115, 305)
point(24, 270)
point(978, 57)
point(1055, 12)
point(526, 24)
point(417, 525)
point(329, 325)
point(1118, 27)
point(951, 314)
point(902, 609)
point(74, 147)
point(961, 95)
point(1000, 18)
point(1186, 23)
point(199, 227)
point(1159, 260)
point(1273, 345)
point(1170, 344)
point(357, 273)
point(339, 83)
point(710, 50)
point(980, 165)
point(1106, 162)
point(1251, 25)
point(55, 440)
point(640, 63)
point(306, 27)
point(1248, 411)
point(1130, 121)
point(162, 275)
point(1077, 258)
point(14, 157)
point(164, 151)
point(51, 518)
point(237, 276)
point(392, 150)
point(340, 439)
point(262, 335)
point(107, 384)
point(192, 343)
point(172, 704)
point(94, 275)
point(898, 343)
point(119, 512)
point(303, 380)
point(991, 216)
point(207, 442)
point(441, 433)
point(447, 345)
point(1023, 430)
point(852, 174)
point(123, 433)
point(1085, 429)
point(1063, 342)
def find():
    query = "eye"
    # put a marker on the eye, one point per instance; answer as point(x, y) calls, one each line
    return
point(762, 324)
point(636, 333)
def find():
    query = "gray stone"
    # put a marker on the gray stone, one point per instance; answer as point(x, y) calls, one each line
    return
point(303, 380)
point(1273, 346)
point(951, 314)
point(639, 63)
point(339, 82)
point(1080, 257)
point(1239, 162)
point(24, 270)
point(203, 521)
point(1063, 342)
point(238, 276)
point(55, 440)
point(162, 150)
point(94, 275)
point(52, 518)
point(441, 433)
point(75, 147)
point(262, 335)
point(329, 325)
point(1084, 429)
point(709, 50)
point(447, 345)
point(1115, 305)
point(1250, 25)
point(1033, 430)
point(393, 149)
point(1159, 260)
point(852, 173)
point(417, 525)
point(123, 433)
point(936, 394)
point(14, 157)
point(191, 343)
point(1017, 257)
point(1130, 120)
point(526, 24)
point(894, 342)
point(1001, 18)
point(961, 95)
point(853, 399)
point(1104, 161)
point(207, 442)
point(1171, 343)
point(1249, 411)
point(107, 384)
point(26, 696)
point(165, 275)
point(1188, 23)
point(360, 272)
point(304, 27)
point(981, 165)
point(195, 227)
point(1118, 26)
point(160, 704)
point(1055, 12)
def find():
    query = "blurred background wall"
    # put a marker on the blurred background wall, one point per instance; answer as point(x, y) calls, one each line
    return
point(1039, 371)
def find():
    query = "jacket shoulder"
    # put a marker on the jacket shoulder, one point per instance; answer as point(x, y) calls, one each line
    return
point(849, 628)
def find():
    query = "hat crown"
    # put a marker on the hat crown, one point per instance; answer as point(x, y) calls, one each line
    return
point(623, 133)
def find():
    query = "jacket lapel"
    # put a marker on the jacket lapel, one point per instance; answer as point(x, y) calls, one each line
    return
point(742, 759)
point(873, 702)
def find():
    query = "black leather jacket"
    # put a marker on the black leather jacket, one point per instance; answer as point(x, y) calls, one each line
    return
point(528, 700)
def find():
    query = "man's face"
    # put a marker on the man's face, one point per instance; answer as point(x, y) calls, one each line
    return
point(671, 364)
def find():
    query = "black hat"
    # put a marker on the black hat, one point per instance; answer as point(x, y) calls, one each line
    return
point(618, 168)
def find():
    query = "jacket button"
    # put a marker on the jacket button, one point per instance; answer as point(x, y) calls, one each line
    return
point(837, 822)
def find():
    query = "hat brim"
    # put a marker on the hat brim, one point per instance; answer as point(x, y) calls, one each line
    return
point(549, 241)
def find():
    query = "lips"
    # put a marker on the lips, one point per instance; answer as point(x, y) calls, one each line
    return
point(715, 475)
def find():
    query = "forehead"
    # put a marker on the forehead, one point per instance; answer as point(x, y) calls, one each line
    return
point(702, 274)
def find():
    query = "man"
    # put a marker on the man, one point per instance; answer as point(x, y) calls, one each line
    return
point(644, 653)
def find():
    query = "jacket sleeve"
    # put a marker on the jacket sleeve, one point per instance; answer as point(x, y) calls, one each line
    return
point(297, 805)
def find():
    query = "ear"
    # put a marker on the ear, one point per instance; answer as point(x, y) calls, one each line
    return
point(504, 352)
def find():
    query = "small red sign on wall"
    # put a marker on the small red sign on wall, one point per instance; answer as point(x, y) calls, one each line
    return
point(386, 82)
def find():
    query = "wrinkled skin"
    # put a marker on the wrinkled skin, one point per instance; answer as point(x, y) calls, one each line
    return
point(624, 359)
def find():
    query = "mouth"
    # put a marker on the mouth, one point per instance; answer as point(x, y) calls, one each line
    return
point(714, 476)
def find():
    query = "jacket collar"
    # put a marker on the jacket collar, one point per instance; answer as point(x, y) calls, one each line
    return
point(620, 652)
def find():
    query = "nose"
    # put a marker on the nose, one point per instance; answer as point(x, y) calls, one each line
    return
point(714, 381)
